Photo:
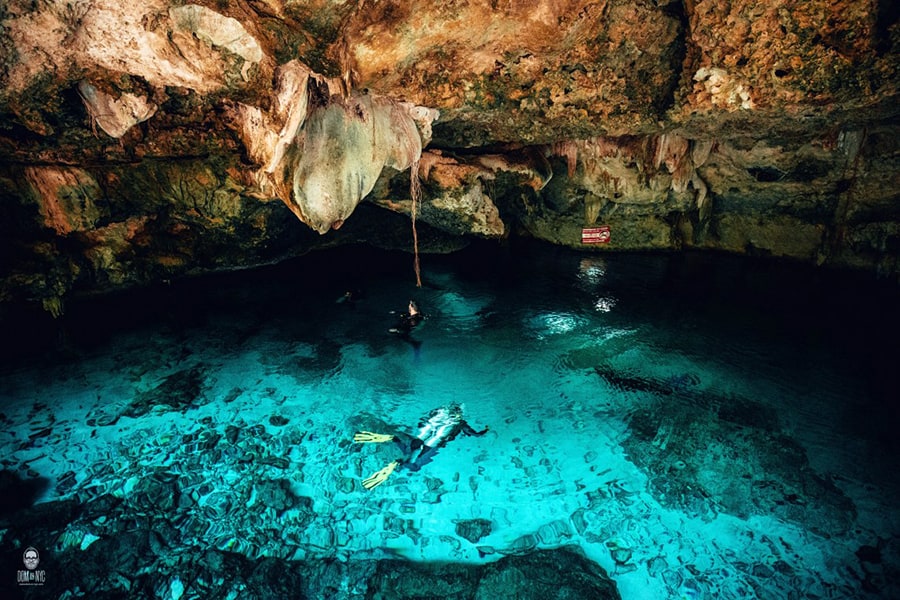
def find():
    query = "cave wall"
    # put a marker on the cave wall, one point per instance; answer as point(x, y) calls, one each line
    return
point(142, 142)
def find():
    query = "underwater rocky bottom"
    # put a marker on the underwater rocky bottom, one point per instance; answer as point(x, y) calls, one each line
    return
point(660, 427)
point(144, 559)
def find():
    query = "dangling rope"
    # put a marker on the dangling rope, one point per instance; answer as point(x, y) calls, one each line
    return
point(415, 191)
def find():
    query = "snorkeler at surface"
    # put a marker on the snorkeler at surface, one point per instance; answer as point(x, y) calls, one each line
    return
point(436, 429)
point(407, 322)
point(350, 297)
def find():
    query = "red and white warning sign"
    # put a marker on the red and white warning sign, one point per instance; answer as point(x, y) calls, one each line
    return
point(595, 235)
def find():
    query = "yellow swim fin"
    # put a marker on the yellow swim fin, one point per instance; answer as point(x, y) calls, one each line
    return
point(365, 437)
point(379, 477)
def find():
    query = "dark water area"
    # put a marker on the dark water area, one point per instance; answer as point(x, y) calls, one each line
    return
point(699, 425)
point(853, 313)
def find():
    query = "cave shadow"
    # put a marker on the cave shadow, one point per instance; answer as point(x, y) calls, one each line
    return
point(17, 493)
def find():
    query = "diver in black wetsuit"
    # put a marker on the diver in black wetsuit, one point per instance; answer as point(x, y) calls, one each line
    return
point(350, 297)
point(407, 322)
point(436, 429)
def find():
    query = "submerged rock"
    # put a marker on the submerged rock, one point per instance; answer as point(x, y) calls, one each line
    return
point(540, 575)
point(178, 391)
point(143, 558)
point(680, 447)
point(473, 529)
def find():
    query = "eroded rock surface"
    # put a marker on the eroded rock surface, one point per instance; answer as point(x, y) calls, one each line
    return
point(140, 142)
point(94, 547)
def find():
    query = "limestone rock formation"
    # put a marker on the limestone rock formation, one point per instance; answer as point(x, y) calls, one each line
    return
point(144, 141)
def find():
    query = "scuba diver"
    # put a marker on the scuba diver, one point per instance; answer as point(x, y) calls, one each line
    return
point(407, 322)
point(436, 429)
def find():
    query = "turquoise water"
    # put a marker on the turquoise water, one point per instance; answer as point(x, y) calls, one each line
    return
point(702, 427)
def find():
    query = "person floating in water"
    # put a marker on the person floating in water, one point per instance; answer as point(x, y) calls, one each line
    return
point(350, 297)
point(436, 429)
point(407, 322)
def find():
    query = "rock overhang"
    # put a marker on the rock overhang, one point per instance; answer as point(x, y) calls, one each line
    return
point(92, 86)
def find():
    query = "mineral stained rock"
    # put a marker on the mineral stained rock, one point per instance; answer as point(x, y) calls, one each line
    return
point(145, 141)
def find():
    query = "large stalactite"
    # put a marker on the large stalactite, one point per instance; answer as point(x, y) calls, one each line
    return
point(140, 142)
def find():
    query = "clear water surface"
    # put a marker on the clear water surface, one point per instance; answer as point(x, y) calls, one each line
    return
point(701, 426)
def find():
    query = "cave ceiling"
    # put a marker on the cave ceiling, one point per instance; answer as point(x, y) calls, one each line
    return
point(144, 141)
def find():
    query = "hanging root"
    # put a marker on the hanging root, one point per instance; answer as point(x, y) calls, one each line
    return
point(415, 192)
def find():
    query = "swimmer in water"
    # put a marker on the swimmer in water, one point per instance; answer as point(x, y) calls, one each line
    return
point(407, 322)
point(436, 429)
point(350, 297)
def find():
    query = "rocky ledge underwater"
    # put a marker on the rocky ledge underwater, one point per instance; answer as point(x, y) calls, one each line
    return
point(209, 453)
point(215, 513)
